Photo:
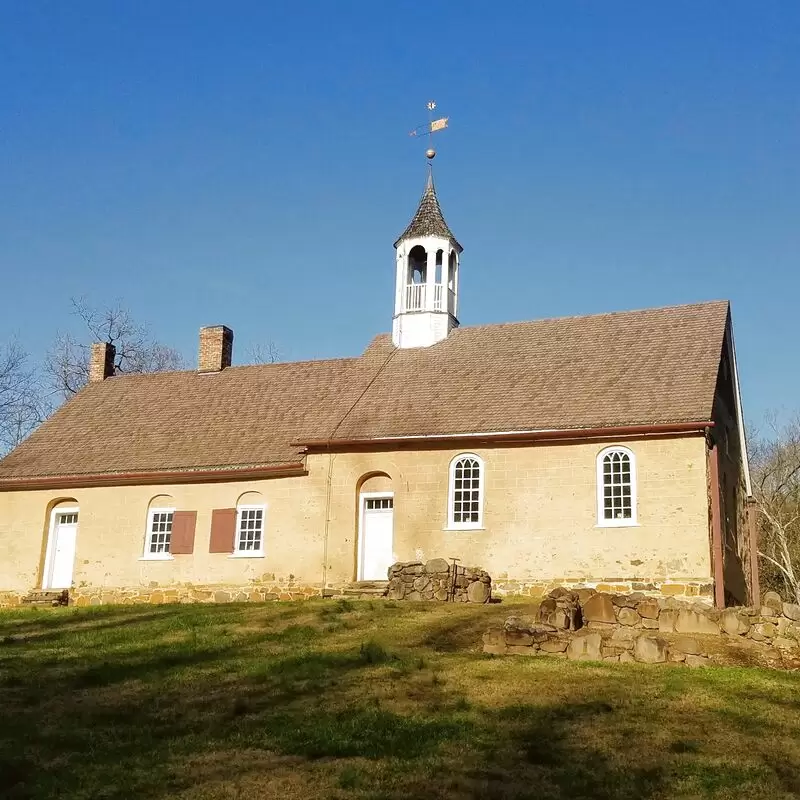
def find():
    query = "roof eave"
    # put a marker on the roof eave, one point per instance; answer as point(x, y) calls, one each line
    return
point(515, 437)
point(452, 239)
point(155, 477)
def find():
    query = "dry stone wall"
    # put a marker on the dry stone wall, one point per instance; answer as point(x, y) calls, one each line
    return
point(438, 580)
point(585, 624)
point(683, 587)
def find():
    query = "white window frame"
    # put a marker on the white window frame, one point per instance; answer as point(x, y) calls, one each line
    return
point(632, 521)
point(148, 556)
point(452, 525)
point(237, 553)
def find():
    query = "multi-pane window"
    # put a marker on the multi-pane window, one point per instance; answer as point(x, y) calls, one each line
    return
point(68, 518)
point(250, 530)
point(466, 492)
point(616, 487)
point(159, 532)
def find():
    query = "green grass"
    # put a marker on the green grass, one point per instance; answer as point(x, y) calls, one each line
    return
point(338, 699)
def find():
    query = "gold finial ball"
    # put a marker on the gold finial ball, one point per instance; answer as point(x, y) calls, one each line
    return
point(430, 152)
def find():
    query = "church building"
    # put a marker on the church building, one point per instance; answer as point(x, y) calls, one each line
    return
point(604, 451)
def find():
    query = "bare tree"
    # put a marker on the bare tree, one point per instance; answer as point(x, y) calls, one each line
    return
point(67, 363)
point(21, 408)
point(776, 486)
point(263, 353)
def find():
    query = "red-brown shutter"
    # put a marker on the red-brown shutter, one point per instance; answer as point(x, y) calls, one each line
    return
point(223, 530)
point(183, 525)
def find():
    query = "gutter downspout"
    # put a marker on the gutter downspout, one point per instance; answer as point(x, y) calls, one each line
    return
point(326, 530)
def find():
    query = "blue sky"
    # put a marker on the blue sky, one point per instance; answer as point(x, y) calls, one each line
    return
point(249, 164)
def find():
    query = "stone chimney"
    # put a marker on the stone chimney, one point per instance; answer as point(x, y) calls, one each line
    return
point(101, 363)
point(216, 348)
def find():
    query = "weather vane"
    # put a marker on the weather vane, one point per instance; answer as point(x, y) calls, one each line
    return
point(431, 127)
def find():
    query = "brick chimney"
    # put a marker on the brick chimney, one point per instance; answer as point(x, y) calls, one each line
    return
point(216, 348)
point(101, 362)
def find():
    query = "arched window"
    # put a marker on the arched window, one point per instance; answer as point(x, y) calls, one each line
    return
point(465, 506)
point(251, 511)
point(160, 512)
point(616, 487)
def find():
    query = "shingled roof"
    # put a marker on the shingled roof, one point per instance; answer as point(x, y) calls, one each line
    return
point(648, 367)
point(428, 219)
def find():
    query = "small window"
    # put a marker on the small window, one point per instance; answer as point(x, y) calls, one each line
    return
point(616, 487)
point(69, 518)
point(466, 492)
point(159, 533)
point(250, 531)
point(379, 503)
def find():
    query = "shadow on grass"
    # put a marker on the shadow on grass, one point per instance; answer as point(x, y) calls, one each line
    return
point(463, 628)
point(544, 745)
point(34, 622)
point(213, 702)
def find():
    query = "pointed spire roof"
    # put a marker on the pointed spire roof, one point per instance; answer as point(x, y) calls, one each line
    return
point(429, 221)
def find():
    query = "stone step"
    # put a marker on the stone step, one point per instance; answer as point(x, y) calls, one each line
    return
point(47, 599)
point(366, 589)
point(368, 584)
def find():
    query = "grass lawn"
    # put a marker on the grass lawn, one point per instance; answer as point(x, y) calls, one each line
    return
point(338, 699)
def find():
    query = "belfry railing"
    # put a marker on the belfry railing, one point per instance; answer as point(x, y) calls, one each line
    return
point(417, 295)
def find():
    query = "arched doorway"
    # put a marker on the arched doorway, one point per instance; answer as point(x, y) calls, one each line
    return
point(375, 527)
point(59, 560)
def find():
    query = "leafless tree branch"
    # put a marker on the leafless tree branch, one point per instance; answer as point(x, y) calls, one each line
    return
point(20, 405)
point(263, 353)
point(67, 362)
point(775, 460)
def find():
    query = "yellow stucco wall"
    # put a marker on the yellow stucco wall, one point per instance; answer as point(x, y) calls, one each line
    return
point(539, 520)
point(540, 512)
point(111, 535)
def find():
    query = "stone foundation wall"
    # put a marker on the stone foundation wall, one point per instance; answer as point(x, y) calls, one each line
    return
point(677, 587)
point(11, 599)
point(585, 624)
point(434, 580)
point(253, 593)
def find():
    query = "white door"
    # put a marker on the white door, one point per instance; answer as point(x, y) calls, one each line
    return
point(61, 553)
point(377, 514)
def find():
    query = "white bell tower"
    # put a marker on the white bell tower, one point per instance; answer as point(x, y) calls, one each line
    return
point(426, 285)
